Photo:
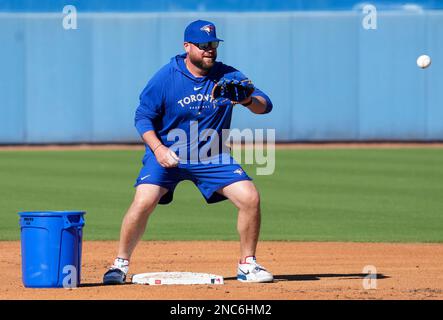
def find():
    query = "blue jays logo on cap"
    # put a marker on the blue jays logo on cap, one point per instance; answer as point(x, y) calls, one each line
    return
point(200, 31)
point(208, 28)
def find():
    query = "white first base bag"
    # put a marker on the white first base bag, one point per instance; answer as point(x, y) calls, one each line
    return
point(161, 278)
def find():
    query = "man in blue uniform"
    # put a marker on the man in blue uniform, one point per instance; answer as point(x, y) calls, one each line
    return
point(178, 99)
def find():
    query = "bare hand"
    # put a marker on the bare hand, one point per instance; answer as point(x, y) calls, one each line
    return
point(166, 157)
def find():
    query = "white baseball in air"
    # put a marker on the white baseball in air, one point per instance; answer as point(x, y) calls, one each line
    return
point(423, 61)
point(172, 158)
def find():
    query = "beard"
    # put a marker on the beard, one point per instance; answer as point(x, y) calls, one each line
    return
point(204, 63)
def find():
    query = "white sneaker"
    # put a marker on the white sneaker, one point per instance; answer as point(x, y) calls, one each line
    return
point(251, 271)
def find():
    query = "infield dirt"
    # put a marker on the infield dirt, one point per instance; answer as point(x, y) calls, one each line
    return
point(302, 270)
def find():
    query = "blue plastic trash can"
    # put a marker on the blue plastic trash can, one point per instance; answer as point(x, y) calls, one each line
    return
point(51, 248)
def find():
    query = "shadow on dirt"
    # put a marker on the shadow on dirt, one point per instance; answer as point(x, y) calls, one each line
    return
point(315, 277)
point(99, 284)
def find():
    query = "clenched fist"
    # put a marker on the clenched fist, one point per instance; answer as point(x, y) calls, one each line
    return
point(166, 157)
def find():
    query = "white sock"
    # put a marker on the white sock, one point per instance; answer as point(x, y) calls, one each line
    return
point(122, 264)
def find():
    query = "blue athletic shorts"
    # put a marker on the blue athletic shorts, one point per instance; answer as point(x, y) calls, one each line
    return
point(207, 177)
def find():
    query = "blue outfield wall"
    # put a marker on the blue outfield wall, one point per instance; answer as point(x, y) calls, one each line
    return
point(329, 78)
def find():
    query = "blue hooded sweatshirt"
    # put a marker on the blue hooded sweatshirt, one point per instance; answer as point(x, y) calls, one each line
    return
point(176, 102)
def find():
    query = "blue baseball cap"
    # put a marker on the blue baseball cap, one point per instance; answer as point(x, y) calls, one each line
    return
point(200, 31)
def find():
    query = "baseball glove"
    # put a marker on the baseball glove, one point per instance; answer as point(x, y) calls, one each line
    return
point(232, 90)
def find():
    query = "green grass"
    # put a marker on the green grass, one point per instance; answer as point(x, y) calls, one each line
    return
point(389, 195)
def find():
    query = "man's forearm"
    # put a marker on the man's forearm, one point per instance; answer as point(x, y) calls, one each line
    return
point(258, 105)
point(151, 139)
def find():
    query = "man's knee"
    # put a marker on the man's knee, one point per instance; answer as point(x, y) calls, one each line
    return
point(144, 204)
point(147, 197)
point(250, 199)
